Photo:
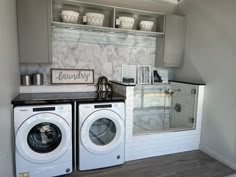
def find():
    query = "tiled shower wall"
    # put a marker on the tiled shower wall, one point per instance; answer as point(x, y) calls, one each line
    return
point(103, 52)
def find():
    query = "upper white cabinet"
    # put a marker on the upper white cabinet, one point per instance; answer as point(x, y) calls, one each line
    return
point(170, 50)
point(34, 31)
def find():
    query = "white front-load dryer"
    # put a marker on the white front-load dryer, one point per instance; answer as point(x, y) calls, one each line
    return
point(43, 140)
point(101, 135)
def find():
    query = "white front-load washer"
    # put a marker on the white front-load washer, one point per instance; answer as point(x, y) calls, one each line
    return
point(43, 140)
point(101, 135)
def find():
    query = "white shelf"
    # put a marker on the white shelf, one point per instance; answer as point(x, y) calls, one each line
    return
point(105, 29)
point(57, 88)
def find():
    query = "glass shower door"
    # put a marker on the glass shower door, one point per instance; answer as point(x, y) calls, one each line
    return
point(182, 109)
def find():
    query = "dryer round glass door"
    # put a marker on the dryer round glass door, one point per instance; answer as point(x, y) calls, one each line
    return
point(43, 138)
point(102, 132)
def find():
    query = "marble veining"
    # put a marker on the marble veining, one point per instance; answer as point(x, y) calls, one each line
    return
point(103, 52)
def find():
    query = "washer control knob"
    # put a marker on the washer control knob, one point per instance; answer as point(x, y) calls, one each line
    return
point(118, 157)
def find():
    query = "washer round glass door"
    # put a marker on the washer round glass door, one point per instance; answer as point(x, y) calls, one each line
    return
point(43, 138)
point(102, 132)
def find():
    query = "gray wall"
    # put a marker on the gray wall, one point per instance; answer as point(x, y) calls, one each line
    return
point(210, 58)
point(9, 82)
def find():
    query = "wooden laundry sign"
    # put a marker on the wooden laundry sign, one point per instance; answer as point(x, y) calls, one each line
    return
point(72, 76)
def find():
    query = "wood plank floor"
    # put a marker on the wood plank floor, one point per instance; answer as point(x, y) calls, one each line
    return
point(187, 164)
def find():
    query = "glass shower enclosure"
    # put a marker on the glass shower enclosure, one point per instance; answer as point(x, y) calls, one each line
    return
point(160, 108)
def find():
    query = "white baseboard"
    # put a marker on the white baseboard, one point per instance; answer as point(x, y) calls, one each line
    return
point(218, 157)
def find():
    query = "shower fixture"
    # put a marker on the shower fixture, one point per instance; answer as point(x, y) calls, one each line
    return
point(172, 92)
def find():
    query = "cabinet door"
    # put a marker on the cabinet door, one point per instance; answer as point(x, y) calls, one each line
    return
point(174, 41)
point(34, 31)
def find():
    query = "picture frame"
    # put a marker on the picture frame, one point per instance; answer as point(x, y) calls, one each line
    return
point(129, 74)
point(159, 76)
point(156, 78)
point(144, 73)
point(71, 76)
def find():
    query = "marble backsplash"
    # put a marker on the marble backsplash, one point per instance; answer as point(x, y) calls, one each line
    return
point(103, 52)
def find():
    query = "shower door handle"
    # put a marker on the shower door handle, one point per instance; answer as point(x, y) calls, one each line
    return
point(177, 107)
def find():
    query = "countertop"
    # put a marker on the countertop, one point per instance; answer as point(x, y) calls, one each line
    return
point(182, 82)
point(50, 98)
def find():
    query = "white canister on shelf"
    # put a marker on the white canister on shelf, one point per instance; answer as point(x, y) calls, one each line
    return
point(126, 22)
point(69, 16)
point(146, 25)
point(94, 19)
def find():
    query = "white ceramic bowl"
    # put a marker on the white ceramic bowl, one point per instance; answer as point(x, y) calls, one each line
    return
point(126, 22)
point(69, 16)
point(95, 19)
point(146, 25)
